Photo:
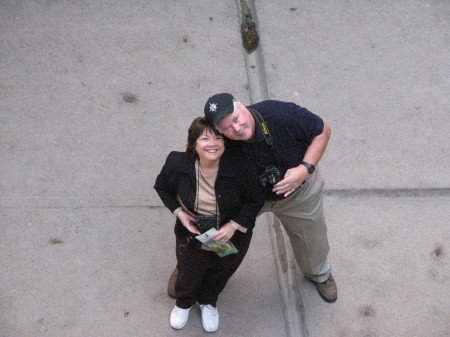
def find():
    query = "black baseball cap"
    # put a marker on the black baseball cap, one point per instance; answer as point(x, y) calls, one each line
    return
point(219, 106)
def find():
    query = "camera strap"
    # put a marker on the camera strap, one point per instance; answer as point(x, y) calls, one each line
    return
point(262, 124)
point(266, 132)
point(183, 206)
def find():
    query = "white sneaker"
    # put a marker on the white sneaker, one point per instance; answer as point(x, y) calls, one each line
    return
point(179, 317)
point(210, 317)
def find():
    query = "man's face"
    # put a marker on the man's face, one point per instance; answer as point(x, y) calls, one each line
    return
point(238, 125)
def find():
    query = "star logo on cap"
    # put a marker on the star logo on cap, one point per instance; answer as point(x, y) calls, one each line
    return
point(212, 107)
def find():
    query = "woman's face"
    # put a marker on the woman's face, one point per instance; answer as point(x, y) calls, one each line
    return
point(209, 146)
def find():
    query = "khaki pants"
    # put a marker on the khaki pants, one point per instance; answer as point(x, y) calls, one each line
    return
point(304, 222)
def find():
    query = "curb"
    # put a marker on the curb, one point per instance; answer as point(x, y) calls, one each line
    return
point(288, 279)
point(287, 275)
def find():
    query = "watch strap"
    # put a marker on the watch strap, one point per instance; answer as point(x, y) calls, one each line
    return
point(309, 167)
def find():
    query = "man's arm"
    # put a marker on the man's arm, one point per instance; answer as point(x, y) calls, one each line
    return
point(318, 146)
point(295, 176)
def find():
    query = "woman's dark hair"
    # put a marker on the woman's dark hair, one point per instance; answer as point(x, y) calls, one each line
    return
point(197, 127)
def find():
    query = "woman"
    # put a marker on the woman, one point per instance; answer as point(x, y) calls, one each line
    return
point(205, 181)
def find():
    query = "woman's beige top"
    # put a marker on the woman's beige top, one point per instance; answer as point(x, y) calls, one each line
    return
point(206, 195)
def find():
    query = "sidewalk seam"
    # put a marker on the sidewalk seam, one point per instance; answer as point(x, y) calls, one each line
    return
point(74, 202)
point(388, 192)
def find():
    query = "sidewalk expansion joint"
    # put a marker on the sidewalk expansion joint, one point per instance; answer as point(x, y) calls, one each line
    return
point(76, 202)
point(388, 193)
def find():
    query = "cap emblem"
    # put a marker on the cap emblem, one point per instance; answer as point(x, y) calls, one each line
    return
point(212, 107)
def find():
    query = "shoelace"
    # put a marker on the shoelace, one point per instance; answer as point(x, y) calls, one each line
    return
point(179, 311)
point(210, 310)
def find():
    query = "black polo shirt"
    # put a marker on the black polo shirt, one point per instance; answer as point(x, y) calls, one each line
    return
point(292, 128)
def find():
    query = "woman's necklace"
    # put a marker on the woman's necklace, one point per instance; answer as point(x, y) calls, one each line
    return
point(208, 171)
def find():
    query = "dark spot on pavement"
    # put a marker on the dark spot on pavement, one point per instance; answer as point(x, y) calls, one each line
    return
point(55, 241)
point(129, 97)
point(367, 311)
point(185, 39)
point(249, 33)
point(293, 9)
point(437, 252)
point(211, 18)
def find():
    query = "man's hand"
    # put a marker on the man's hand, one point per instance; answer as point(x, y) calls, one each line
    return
point(188, 221)
point(295, 176)
point(293, 179)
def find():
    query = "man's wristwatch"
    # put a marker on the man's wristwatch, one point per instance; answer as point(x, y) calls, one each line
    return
point(309, 166)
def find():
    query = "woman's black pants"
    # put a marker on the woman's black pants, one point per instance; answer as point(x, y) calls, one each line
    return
point(204, 274)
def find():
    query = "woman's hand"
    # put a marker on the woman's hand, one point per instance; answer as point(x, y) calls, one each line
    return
point(225, 233)
point(188, 221)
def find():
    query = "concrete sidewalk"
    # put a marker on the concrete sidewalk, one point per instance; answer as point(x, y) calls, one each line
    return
point(95, 94)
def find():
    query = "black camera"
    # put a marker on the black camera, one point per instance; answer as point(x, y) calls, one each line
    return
point(205, 222)
point(271, 175)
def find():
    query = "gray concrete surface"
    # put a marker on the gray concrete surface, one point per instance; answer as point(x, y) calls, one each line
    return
point(390, 260)
point(94, 94)
point(102, 271)
point(378, 72)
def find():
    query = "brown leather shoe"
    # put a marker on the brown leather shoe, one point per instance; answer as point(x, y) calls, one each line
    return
point(171, 285)
point(327, 290)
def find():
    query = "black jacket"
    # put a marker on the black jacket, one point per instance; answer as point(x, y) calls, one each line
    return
point(238, 194)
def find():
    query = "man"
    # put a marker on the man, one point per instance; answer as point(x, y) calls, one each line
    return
point(285, 142)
